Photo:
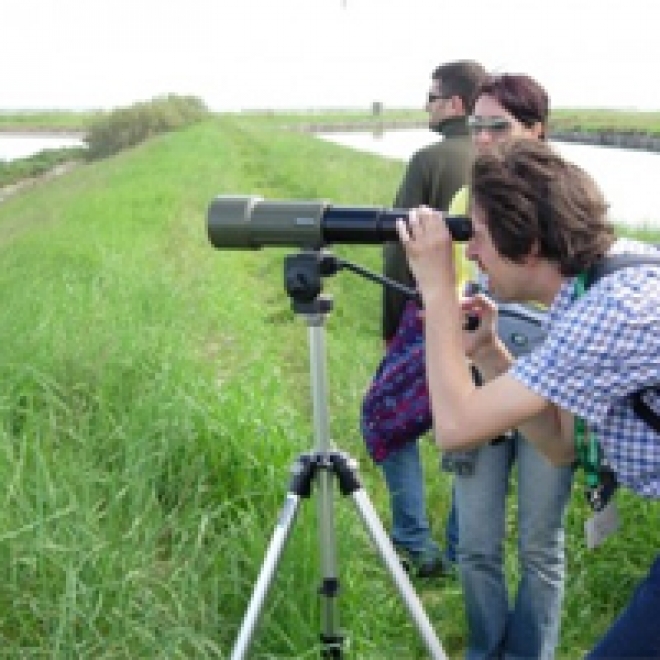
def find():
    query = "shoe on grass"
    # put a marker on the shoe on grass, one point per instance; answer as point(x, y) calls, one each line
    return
point(429, 563)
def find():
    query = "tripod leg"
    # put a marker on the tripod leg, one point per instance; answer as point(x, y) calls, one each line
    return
point(402, 582)
point(345, 468)
point(268, 568)
point(331, 637)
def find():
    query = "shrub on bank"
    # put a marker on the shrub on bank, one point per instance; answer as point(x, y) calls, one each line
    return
point(125, 127)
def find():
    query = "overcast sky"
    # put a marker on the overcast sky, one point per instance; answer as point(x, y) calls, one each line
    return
point(234, 54)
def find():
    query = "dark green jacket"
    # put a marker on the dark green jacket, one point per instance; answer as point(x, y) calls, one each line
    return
point(434, 174)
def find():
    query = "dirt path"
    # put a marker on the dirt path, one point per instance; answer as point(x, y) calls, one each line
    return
point(12, 189)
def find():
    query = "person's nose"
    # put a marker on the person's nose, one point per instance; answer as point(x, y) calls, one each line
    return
point(482, 137)
point(470, 252)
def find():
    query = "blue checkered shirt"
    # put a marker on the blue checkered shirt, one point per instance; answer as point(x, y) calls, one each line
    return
point(601, 348)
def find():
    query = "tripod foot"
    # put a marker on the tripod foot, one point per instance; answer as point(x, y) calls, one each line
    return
point(332, 646)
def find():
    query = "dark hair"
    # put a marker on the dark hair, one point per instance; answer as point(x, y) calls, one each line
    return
point(521, 96)
point(534, 199)
point(461, 78)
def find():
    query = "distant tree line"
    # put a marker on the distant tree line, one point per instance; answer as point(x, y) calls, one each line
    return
point(125, 127)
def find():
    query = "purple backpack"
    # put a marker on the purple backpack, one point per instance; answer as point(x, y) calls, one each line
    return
point(396, 407)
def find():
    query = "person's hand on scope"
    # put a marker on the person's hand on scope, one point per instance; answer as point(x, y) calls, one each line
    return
point(428, 245)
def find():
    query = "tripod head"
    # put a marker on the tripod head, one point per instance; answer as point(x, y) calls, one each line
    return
point(304, 273)
point(303, 280)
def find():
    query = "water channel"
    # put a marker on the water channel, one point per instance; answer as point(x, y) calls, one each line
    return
point(22, 145)
point(627, 177)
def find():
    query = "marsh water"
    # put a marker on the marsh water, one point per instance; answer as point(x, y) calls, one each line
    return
point(22, 145)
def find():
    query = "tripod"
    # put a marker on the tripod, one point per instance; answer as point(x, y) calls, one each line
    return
point(303, 281)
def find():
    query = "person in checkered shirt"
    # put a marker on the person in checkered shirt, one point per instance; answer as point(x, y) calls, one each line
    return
point(539, 224)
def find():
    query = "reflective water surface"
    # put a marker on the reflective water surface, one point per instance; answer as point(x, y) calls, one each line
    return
point(22, 145)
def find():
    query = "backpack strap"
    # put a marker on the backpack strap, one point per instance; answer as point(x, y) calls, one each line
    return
point(613, 262)
point(644, 411)
point(606, 266)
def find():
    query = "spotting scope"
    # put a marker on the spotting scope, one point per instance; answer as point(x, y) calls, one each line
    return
point(251, 222)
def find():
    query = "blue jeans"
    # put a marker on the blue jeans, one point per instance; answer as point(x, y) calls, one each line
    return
point(530, 627)
point(404, 477)
point(451, 531)
point(636, 633)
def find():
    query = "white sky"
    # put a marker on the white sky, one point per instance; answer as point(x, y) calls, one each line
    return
point(234, 54)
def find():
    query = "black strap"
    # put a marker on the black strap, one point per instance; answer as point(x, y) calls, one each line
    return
point(644, 411)
point(606, 266)
point(611, 263)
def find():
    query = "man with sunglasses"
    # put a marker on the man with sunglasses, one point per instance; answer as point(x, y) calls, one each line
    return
point(432, 177)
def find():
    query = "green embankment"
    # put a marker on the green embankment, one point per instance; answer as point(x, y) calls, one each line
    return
point(155, 392)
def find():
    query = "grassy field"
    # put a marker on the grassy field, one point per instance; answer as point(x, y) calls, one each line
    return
point(155, 393)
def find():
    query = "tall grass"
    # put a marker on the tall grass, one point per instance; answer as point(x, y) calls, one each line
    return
point(155, 393)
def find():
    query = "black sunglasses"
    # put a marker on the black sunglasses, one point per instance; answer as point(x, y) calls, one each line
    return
point(432, 97)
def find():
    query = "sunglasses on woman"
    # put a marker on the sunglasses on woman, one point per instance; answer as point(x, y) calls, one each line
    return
point(496, 125)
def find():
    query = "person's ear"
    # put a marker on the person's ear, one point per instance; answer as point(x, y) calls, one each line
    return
point(457, 105)
point(533, 255)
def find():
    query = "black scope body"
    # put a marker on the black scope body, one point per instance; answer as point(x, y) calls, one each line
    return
point(250, 222)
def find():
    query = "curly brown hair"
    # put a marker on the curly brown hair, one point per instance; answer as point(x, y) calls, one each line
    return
point(534, 199)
